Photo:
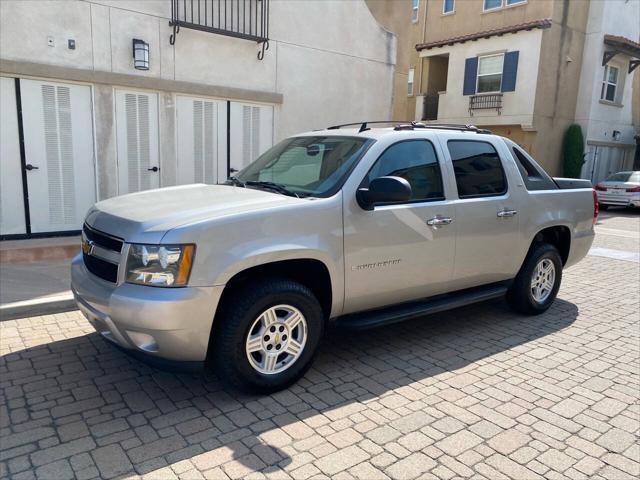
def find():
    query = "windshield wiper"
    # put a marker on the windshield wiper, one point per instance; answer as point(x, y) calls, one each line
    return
point(236, 181)
point(273, 186)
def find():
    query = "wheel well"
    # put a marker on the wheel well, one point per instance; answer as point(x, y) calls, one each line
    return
point(313, 274)
point(558, 236)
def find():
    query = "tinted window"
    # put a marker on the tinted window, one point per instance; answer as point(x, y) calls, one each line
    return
point(624, 177)
point(477, 168)
point(415, 161)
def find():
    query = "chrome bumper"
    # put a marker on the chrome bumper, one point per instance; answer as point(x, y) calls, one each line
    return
point(622, 200)
point(167, 323)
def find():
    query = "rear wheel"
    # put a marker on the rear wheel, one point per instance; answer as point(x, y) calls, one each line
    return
point(267, 335)
point(536, 285)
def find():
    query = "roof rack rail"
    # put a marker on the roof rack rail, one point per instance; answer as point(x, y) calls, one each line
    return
point(402, 125)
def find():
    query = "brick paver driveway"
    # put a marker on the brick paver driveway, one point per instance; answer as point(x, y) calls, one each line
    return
point(478, 392)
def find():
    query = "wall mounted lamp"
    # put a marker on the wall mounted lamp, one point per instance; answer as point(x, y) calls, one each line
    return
point(140, 54)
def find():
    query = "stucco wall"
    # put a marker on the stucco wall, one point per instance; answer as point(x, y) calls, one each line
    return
point(329, 62)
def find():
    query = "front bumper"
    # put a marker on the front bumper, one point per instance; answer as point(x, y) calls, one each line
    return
point(166, 323)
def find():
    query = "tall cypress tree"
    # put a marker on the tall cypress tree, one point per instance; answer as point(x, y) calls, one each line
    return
point(573, 151)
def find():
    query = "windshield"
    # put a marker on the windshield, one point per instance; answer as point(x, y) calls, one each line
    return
point(624, 177)
point(305, 166)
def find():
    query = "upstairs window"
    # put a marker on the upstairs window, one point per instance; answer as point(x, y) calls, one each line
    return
point(448, 6)
point(410, 82)
point(477, 168)
point(495, 4)
point(490, 73)
point(609, 83)
point(414, 10)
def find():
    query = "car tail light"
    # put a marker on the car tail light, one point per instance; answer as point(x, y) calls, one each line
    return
point(596, 207)
point(633, 189)
point(600, 188)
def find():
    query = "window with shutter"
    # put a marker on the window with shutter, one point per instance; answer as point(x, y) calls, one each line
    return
point(510, 71)
point(470, 73)
point(58, 138)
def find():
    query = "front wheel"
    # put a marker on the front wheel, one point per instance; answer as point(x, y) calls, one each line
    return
point(538, 281)
point(267, 335)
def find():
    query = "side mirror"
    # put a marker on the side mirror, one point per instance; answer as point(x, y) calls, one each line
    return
point(384, 190)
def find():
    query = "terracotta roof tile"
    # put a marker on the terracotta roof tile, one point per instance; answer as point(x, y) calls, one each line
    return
point(544, 23)
point(623, 42)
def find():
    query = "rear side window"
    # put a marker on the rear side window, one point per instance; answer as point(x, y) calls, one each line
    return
point(477, 168)
point(534, 177)
point(416, 162)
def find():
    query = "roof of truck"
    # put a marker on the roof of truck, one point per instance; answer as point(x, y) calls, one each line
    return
point(372, 130)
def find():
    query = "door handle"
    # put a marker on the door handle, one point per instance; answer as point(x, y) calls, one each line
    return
point(153, 169)
point(507, 213)
point(233, 170)
point(438, 221)
point(30, 167)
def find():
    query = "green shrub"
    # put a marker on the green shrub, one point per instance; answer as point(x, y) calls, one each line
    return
point(573, 152)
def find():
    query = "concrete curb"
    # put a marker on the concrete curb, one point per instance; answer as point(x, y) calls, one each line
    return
point(41, 306)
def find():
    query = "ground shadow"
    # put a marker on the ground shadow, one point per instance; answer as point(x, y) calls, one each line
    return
point(168, 417)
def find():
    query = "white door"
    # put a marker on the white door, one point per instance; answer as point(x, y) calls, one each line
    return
point(202, 140)
point(251, 133)
point(137, 141)
point(58, 142)
point(12, 221)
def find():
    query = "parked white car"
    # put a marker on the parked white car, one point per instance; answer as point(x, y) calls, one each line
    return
point(621, 189)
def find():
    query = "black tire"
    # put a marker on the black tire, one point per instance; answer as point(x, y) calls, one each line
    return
point(519, 296)
point(232, 324)
point(604, 207)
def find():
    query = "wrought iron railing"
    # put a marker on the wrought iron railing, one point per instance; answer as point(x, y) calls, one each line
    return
point(247, 19)
point(430, 107)
point(490, 101)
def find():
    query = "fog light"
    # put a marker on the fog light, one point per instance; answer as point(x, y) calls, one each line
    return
point(143, 341)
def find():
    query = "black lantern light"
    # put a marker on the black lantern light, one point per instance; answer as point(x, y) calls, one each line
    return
point(140, 54)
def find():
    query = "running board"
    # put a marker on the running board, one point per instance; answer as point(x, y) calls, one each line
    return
point(407, 311)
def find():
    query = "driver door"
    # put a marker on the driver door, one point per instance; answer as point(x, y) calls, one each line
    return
point(395, 253)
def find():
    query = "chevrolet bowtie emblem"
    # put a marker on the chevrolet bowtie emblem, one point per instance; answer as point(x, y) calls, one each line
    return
point(87, 247)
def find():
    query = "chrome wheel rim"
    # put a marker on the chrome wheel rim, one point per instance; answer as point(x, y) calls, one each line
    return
point(543, 280)
point(276, 339)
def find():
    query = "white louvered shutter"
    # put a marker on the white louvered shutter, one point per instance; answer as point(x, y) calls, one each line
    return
point(59, 143)
point(12, 219)
point(137, 141)
point(251, 132)
point(201, 125)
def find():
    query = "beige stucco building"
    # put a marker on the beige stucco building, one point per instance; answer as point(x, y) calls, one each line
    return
point(196, 105)
point(523, 69)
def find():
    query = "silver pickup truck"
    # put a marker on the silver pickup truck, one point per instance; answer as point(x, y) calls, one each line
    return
point(355, 227)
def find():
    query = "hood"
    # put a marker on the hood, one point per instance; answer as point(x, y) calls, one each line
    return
point(147, 216)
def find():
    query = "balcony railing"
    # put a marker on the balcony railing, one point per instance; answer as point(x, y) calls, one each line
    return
point(491, 101)
point(430, 107)
point(247, 19)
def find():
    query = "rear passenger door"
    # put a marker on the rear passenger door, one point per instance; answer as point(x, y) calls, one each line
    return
point(485, 211)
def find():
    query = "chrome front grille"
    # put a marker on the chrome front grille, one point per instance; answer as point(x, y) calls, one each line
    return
point(101, 253)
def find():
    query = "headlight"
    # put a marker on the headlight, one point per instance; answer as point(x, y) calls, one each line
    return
point(159, 265)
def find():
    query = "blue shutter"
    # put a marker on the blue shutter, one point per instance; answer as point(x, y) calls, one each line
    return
point(510, 71)
point(470, 74)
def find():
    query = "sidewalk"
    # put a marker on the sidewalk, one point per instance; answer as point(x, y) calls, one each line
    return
point(35, 277)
